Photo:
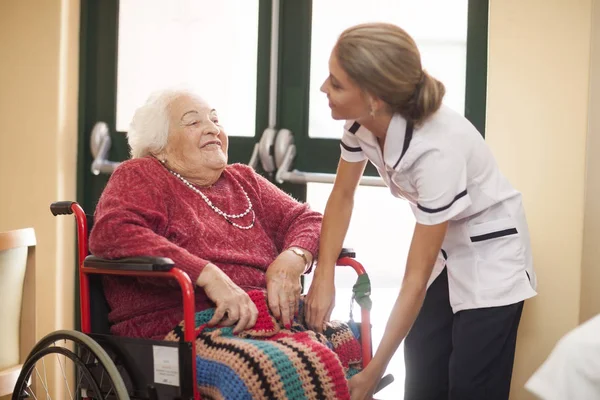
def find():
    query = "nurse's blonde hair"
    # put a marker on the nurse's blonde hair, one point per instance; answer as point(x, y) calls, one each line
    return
point(384, 61)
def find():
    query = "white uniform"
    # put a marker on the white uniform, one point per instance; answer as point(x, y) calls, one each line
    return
point(447, 173)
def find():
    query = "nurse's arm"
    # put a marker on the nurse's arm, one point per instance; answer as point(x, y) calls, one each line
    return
point(338, 212)
point(424, 249)
point(320, 299)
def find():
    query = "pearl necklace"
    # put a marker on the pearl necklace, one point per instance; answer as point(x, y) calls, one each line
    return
point(228, 217)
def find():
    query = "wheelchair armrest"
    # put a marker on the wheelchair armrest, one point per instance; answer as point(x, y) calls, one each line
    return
point(130, 263)
point(347, 252)
point(154, 263)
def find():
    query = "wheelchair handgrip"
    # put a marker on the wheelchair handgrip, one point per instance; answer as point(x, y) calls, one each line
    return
point(385, 381)
point(61, 208)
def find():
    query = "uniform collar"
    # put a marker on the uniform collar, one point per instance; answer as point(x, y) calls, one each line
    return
point(362, 133)
point(396, 140)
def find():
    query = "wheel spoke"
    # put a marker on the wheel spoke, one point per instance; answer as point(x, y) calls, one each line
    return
point(42, 381)
point(64, 375)
point(32, 393)
point(79, 382)
point(46, 378)
point(83, 367)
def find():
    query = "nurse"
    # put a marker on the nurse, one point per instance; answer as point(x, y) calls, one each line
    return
point(469, 267)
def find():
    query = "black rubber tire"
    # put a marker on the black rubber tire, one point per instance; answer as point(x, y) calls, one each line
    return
point(43, 348)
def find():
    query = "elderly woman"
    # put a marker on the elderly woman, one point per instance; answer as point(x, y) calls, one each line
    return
point(244, 242)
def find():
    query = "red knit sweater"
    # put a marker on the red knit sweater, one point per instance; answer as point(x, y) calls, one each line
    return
point(146, 211)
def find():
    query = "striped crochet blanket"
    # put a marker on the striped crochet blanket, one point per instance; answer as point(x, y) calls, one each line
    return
point(270, 362)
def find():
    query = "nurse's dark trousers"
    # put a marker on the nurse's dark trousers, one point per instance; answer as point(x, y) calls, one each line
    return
point(464, 356)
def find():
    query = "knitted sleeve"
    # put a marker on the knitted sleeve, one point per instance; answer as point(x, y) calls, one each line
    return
point(289, 222)
point(131, 218)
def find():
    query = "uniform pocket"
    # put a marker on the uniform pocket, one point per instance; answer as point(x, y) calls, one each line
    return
point(494, 235)
point(500, 252)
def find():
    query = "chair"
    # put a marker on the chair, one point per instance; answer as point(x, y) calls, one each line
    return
point(17, 303)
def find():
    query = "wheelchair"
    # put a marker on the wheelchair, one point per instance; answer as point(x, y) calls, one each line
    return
point(105, 366)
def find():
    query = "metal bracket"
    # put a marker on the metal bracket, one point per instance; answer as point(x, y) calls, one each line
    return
point(100, 143)
point(286, 174)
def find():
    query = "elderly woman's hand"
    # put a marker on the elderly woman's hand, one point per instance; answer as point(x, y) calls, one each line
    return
point(284, 286)
point(229, 298)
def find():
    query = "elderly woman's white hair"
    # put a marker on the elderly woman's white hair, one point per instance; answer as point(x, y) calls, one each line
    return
point(149, 128)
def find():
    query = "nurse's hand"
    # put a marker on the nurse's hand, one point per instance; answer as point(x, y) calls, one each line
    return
point(319, 303)
point(362, 386)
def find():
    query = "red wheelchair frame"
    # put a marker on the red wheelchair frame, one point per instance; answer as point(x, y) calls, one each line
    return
point(164, 268)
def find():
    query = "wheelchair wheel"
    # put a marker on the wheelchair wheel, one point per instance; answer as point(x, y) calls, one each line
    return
point(82, 369)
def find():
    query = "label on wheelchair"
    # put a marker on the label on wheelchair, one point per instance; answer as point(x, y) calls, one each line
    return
point(166, 365)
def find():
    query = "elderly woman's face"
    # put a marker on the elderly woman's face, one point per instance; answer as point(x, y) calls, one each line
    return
point(196, 140)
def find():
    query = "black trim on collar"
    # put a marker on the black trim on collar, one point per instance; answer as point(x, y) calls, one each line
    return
point(355, 126)
point(447, 206)
point(408, 134)
point(352, 149)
